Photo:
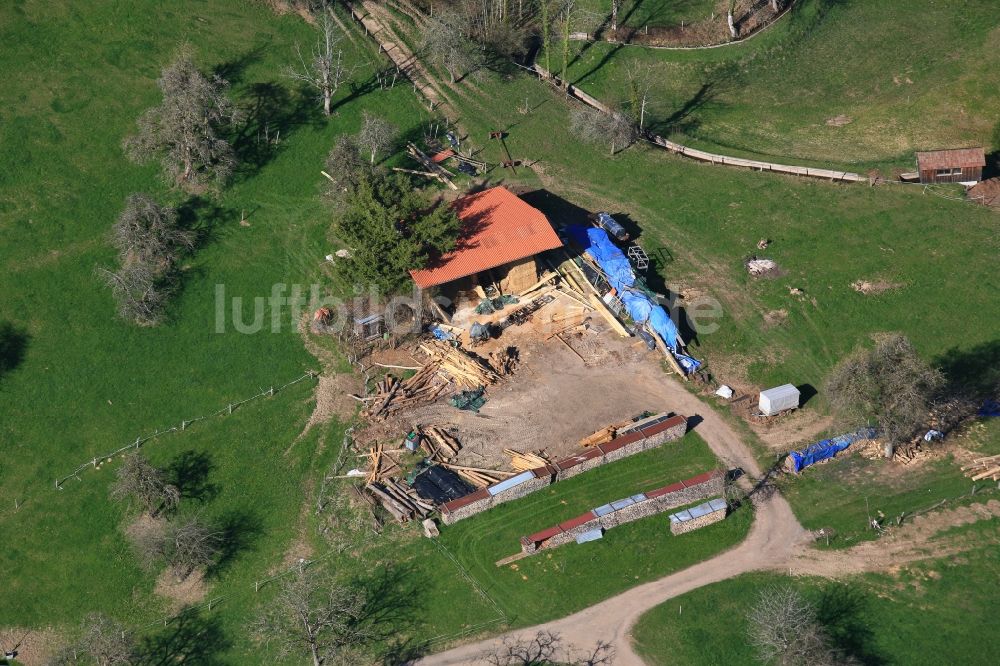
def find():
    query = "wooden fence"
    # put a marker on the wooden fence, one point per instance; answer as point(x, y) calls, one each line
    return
point(701, 155)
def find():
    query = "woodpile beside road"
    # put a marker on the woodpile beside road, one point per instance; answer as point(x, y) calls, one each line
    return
point(478, 477)
point(604, 435)
point(400, 500)
point(455, 364)
point(522, 462)
point(983, 468)
point(440, 445)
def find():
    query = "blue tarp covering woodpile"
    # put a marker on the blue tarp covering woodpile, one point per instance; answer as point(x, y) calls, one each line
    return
point(639, 305)
point(827, 448)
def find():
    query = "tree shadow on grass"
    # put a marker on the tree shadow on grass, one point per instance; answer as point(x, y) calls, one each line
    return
point(272, 112)
point(189, 472)
point(239, 530)
point(393, 606)
point(13, 347)
point(974, 373)
point(842, 613)
point(192, 637)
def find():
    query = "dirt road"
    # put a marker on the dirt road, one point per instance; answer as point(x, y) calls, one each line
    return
point(775, 539)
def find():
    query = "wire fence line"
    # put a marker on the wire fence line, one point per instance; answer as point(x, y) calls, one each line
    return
point(184, 425)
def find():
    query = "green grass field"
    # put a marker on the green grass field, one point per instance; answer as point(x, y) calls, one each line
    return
point(907, 76)
point(87, 383)
point(926, 613)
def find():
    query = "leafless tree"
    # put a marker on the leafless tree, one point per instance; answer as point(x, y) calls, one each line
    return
point(185, 131)
point(314, 614)
point(139, 480)
point(615, 6)
point(888, 384)
point(594, 126)
point(345, 168)
point(103, 641)
point(784, 629)
point(565, 16)
point(376, 134)
point(640, 83)
point(446, 44)
point(324, 69)
point(189, 544)
point(546, 647)
point(148, 233)
point(137, 291)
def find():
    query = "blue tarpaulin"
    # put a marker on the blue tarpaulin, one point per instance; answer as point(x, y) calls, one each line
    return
point(640, 307)
point(827, 448)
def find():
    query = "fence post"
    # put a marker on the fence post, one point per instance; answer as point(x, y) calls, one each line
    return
point(230, 408)
point(137, 442)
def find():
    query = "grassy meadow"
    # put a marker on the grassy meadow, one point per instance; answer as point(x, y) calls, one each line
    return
point(891, 77)
point(931, 612)
point(79, 382)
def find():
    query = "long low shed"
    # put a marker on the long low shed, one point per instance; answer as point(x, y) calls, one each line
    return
point(642, 436)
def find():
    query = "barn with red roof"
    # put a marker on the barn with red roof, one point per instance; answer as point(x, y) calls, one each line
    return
point(501, 235)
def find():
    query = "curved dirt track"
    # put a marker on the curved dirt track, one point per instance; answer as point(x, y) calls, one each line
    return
point(774, 540)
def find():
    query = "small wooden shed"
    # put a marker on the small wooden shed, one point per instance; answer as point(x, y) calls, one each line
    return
point(959, 165)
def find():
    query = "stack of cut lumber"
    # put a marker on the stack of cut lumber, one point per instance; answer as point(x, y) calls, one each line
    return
point(604, 435)
point(522, 462)
point(504, 362)
point(480, 478)
point(984, 468)
point(452, 362)
point(400, 500)
point(439, 444)
point(392, 394)
point(379, 464)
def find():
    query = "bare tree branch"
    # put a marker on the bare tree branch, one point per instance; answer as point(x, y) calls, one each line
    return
point(184, 131)
point(324, 69)
point(139, 480)
point(376, 134)
point(312, 614)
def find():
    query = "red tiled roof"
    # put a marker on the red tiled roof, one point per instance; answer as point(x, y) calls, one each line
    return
point(958, 157)
point(498, 228)
point(665, 490)
point(454, 504)
point(576, 522)
point(538, 537)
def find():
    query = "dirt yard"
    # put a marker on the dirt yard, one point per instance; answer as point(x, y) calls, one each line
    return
point(554, 398)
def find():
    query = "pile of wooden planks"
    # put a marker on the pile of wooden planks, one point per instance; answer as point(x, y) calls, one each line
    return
point(604, 435)
point(522, 462)
point(504, 362)
point(400, 500)
point(460, 367)
point(480, 478)
point(983, 468)
point(439, 444)
point(392, 393)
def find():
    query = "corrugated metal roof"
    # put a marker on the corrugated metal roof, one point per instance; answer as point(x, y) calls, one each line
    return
point(717, 504)
point(603, 510)
point(590, 535)
point(498, 227)
point(622, 503)
point(511, 482)
point(956, 157)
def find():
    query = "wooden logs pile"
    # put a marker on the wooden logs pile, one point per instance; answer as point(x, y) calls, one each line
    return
point(522, 462)
point(439, 444)
point(983, 468)
point(455, 364)
point(604, 435)
point(392, 393)
point(480, 478)
point(504, 362)
point(400, 500)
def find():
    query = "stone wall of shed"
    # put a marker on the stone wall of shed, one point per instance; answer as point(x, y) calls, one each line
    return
point(696, 523)
point(649, 507)
point(565, 470)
